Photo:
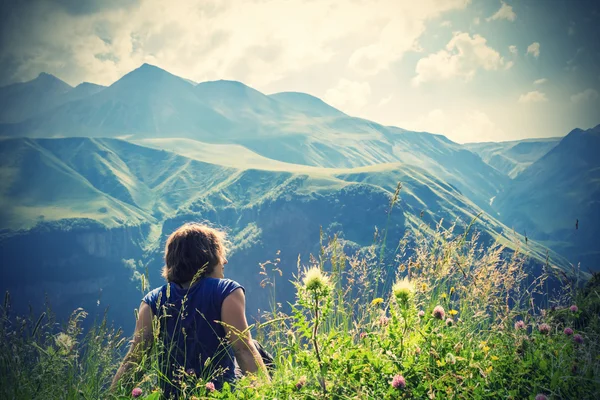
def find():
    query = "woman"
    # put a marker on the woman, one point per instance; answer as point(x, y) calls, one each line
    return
point(201, 315)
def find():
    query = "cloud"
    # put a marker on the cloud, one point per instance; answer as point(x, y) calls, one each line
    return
point(397, 30)
point(349, 96)
point(505, 12)
point(534, 49)
point(446, 24)
point(533, 97)
point(513, 49)
point(540, 81)
point(470, 125)
point(585, 96)
point(257, 42)
point(463, 56)
point(476, 20)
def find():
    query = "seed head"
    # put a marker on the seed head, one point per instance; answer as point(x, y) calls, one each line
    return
point(315, 280)
point(403, 290)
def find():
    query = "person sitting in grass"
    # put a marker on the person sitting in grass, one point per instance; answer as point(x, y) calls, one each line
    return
point(200, 316)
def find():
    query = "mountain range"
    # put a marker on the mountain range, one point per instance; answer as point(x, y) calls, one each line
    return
point(94, 178)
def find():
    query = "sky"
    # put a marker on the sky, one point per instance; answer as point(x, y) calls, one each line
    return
point(472, 70)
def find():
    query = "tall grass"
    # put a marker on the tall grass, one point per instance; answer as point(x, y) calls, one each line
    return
point(463, 321)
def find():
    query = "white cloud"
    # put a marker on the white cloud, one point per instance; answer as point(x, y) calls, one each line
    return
point(349, 96)
point(463, 56)
point(470, 125)
point(446, 24)
point(585, 96)
point(533, 97)
point(540, 81)
point(476, 21)
point(257, 42)
point(505, 12)
point(534, 49)
point(399, 27)
point(513, 49)
point(385, 100)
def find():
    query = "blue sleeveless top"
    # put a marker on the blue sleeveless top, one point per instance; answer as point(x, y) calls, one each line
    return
point(191, 338)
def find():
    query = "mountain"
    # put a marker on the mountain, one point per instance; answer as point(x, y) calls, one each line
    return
point(20, 101)
point(84, 217)
point(513, 157)
point(296, 128)
point(555, 193)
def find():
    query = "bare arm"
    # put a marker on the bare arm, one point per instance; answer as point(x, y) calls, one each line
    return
point(233, 314)
point(142, 341)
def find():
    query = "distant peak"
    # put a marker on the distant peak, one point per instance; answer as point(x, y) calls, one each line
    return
point(49, 79)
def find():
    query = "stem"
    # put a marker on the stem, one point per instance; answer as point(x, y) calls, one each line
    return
point(316, 344)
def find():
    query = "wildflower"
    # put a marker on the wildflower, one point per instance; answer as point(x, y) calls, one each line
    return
point(444, 295)
point(541, 397)
point(421, 314)
point(210, 387)
point(64, 341)
point(489, 369)
point(377, 301)
point(424, 287)
point(403, 290)
point(452, 312)
point(568, 331)
point(519, 325)
point(451, 290)
point(301, 382)
point(417, 350)
point(486, 349)
point(363, 335)
point(383, 320)
point(494, 358)
point(577, 338)
point(137, 392)
point(544, 329)
point(315, 280)
point(449, 322)
point(438, 312)
point(574, 308)
point(398, 382)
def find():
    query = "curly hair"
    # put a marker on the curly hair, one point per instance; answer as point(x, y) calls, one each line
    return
point(193, 248)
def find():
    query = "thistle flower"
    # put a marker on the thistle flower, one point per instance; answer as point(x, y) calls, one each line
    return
point(577, 338)
point(449, 322)
point(398, 382)
point(541, 397)
point(383, 320)
point(438, 312)
point(421, 314)
point(315, 280)
point(568, 331)
point(137, 392)
point(574, 308)
point(544, 329)
point(301, 382)
point(210, 387)
point(519, 325)
point(403, 290)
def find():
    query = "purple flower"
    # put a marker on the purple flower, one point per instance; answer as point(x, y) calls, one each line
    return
point(568, 331)
point(520, 325)
point(137, 392)
point(544, 329)
point(449, 322)
point(438, 312)
point(577, 338)
point(383, 320)
point(210, 386)
point(421, 314)
point(398, 382)
point(574, 308)
point(541, 397)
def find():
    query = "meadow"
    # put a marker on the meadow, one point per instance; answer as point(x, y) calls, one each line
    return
point(449, 318)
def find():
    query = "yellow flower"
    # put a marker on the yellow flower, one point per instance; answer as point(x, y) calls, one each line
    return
point(424, 287)
point(486, 349)
point(489, 369)
point(438, 363)
point(377, 301)
point(494, 358)
point(444, 295)
point(451, 290)
point(452, 312)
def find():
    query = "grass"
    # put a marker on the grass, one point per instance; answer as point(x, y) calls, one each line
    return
point(360, 328)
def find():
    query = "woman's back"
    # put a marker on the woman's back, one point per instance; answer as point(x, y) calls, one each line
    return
point(190, 331)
